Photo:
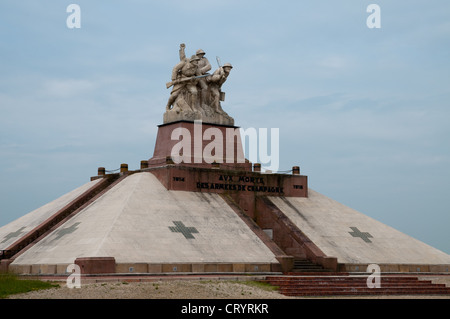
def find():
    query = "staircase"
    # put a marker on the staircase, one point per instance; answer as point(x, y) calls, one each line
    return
point(304, 266)
point(348, 285)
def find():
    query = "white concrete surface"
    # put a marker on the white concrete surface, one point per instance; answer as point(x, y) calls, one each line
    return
point(327, 223)
point(21, 226)
point(131, 223)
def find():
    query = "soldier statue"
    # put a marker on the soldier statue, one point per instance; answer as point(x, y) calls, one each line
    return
point(196, 94)
point(215, 85)
point(181, 73)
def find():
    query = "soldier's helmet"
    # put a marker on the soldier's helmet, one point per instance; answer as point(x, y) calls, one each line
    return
point(200, 51)
point(194, 58)
point(227, 65)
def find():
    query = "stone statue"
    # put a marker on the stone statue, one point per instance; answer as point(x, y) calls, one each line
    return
point(187, 68)
point(196, 94)
point(215, 81)
point(203, 66)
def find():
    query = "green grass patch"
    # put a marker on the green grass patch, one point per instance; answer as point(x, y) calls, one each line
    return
point(11, 284)
point(258, 284)
point(252, 283)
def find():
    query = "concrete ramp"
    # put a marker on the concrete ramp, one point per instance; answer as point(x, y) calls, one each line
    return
point(354, 238)
point(146, 227)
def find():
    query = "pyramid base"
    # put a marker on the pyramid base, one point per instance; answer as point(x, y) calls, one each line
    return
point(217, 268)
point(149, 268)
point(270, 219)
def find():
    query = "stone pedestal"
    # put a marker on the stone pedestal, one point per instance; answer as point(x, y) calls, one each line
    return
point(207, 115)
point(199, 144)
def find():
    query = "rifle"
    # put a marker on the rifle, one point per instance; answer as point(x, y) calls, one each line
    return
point(169, 84)
point(221, 94)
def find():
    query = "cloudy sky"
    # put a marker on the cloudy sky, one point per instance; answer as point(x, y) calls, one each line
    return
point(364, 112)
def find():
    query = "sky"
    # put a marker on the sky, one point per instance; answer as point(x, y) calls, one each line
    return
point(363, 111)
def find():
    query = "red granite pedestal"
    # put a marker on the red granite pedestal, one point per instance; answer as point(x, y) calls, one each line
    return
point(198, 144)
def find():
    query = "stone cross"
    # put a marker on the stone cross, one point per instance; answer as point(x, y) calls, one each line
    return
point(13, 234)
point(186, 231)
point(357, 233)
point(65, 231)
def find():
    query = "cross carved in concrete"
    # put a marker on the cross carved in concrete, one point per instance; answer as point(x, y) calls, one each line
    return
point(13, 234)
point(65, 231)
point(363, 235)
point(186, 231)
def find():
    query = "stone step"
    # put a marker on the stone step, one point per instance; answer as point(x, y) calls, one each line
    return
point(309, 270)
point(324, 272)
point(306, 278)
point(304, 265)
point(307, 266)
point(362, 286)
point(366, 291)
point(302, 261)
point(354, 285)
point(314, 267)
point(360, 292)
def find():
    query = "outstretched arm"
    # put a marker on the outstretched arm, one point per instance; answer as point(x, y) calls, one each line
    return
point(176, 70)
point(181, 52)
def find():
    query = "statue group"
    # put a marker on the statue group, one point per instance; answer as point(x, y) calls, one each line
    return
point(196, 94)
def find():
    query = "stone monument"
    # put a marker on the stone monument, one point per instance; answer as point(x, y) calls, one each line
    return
point(196, 94)
point(204, 216)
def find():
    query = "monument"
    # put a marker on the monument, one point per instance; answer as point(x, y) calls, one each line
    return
point(198, 206)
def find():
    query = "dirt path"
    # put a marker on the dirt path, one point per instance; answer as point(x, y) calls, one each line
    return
point(167, 289)
point(181, 289)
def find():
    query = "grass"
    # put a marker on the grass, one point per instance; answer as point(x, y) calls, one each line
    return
point(252, 283)
point(11, 284)
point(261, 285)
